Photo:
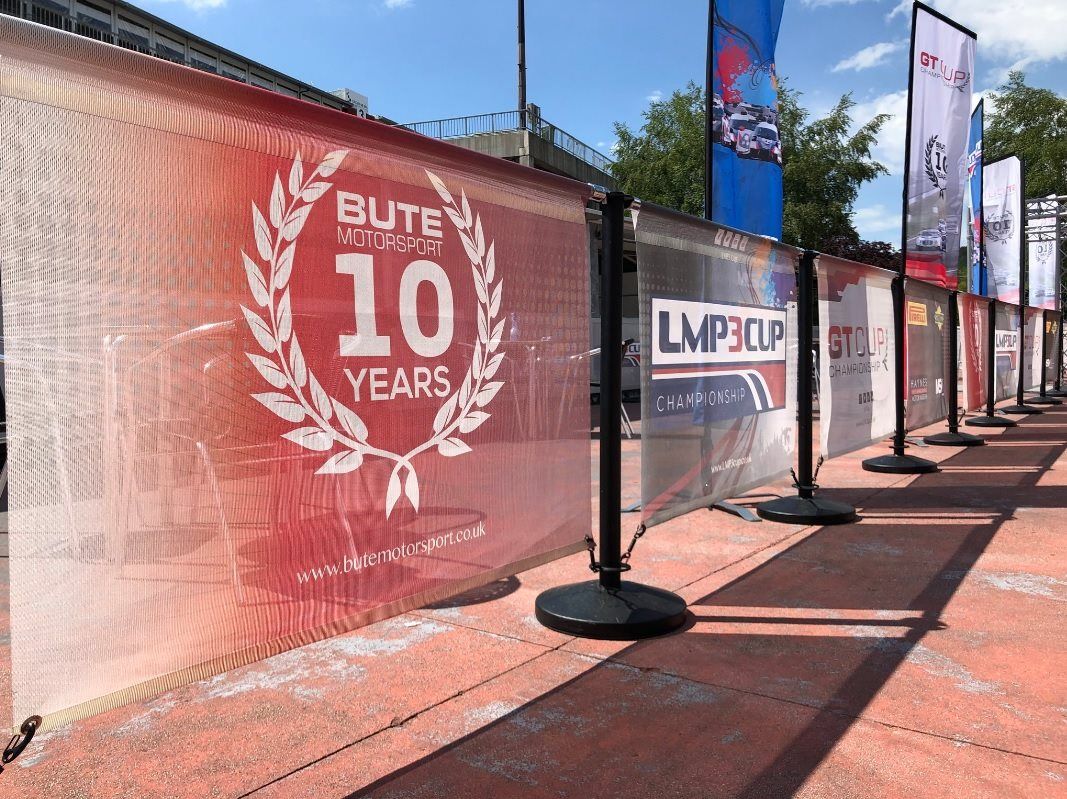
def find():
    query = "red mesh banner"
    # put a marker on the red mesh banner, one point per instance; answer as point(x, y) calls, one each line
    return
point(974, 349)
point(272, 371)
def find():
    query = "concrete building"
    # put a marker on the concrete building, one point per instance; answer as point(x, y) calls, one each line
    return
point(527, 139)
point(122, 24)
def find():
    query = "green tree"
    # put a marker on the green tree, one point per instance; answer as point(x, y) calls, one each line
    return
point(825, 164)
point(1032, 124)
point(664, 162)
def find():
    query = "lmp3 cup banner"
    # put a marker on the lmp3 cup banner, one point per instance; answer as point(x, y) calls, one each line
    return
point(1006, 350)
point(274, 372)
point(939, 106)
point(718, 408)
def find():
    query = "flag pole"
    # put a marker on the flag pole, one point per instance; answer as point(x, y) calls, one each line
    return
point(898, 462)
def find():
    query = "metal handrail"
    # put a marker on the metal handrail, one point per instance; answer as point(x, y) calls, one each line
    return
point(507, 121)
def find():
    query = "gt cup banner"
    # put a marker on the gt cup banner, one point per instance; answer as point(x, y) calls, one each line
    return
point(273, 371)
point(974, 349)
point(939, 110)
point(1002, 210)
point(1043, 262)
point(976, 282)
point(856, 354)
point(926, 316)
point(1006, 352)
point(745, 147)
point(1033, 342)
point(718, 399)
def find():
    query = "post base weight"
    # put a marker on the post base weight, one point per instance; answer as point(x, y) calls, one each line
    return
point(990, 421)
point(1020, 410)
point(954, 440)
point(627, 613)
point(899, 464)
point(806, 511)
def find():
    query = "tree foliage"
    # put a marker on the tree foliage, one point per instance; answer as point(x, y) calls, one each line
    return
point(664, 162)
point(825, 162)
point(1032, 124)
point(825, 166)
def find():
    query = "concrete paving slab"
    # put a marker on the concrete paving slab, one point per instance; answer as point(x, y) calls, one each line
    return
point(914, 653)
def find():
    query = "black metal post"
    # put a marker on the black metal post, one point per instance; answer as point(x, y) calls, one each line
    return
point(898, 462)
point(522, 63)
point(610, 607)
point(805, 508)
point(953, 438)
point(611, 393)
point(991, 419)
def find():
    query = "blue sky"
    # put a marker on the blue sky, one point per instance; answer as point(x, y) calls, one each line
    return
point(592, 62)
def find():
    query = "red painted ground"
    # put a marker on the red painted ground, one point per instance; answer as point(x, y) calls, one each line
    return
point(921, 652)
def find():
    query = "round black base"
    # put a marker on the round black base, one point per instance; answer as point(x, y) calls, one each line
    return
point(954, 440)
point(627, 613)
point(899, 464)
point(1057, 392)
point(801, 510)
point(1020, 410)
point(1043, 401)
point(990, 421)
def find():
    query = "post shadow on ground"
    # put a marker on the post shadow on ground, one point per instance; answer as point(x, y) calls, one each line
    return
point(740, 712)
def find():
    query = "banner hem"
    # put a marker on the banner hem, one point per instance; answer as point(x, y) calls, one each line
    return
point(211, 668)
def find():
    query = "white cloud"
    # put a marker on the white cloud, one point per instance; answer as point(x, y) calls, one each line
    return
point(890, 147)
point(656, 96)
point(1016, 34)
point(877, 223)
point(870, 56)
point(391, 4)
point(197, 5)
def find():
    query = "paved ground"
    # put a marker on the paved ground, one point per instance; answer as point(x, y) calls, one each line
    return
point(920, 652)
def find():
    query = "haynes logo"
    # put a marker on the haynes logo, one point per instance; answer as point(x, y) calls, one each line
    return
point(717, 360)
point(936, 67)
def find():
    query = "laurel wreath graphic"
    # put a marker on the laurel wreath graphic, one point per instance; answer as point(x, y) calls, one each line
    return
point(930, 171)
point(330, 425)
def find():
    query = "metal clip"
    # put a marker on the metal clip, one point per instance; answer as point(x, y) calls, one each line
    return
point(19, 742)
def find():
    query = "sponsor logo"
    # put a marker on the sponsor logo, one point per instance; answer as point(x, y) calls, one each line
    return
point(936, 164)
point(917, 314)
point(857, 342)
point(717, 359)
point(939, 317)
point(374, 227)
point(1006, 341)
point(936, 67)
point(732, 240)
point(1000, 227)
point(920, 389)
point(974, 158)
point(863, 349)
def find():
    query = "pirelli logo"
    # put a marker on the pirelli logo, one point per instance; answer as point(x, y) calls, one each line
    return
point(917, 314)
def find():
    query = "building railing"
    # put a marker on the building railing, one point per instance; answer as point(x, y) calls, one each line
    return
point(506, 122)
